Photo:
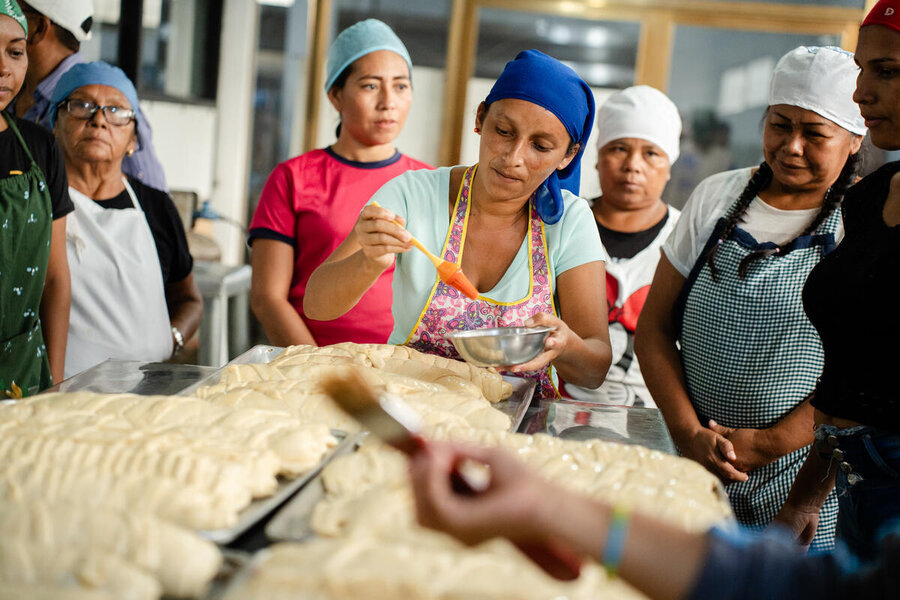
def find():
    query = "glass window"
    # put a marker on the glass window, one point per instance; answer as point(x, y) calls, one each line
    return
point(719, 80)
point(603, 53)
point(179, 45)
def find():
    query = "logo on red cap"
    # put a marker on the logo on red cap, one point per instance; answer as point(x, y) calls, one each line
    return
point(888, 12)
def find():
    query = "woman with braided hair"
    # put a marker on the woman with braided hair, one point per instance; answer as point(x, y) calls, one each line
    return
point(728, 352)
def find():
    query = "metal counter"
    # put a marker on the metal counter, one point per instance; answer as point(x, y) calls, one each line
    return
point(134, 377)
point(573, 420)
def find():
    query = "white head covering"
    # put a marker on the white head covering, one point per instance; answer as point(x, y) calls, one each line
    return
point(71, 15)
point(821, 79)
point(640, 112)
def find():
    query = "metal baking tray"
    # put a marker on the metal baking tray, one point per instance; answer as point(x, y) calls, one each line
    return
point(514, 407)
point(260, 508)
point(238, 576)
point(584, 421)
point(257, 354)
point(234, 564)
point(291, 522)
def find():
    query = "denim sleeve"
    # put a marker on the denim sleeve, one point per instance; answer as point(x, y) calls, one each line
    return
point(742, 565)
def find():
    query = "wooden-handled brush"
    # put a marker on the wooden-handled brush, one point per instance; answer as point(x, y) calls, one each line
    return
point(450, 273)
point(396, 423)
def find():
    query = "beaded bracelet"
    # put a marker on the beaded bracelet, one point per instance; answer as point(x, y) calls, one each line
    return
point(615, 540)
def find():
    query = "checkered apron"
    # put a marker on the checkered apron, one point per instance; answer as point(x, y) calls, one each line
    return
point(750, 355)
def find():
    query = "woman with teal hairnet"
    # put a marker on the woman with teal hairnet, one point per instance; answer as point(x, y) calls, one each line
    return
point(513, 223)
point(310, 202)
point(34, 202)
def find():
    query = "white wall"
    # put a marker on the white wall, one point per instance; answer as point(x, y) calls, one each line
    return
point(184, 138)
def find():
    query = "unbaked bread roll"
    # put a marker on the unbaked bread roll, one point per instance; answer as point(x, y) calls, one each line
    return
point(183, 563)
point(24, 563)
point(167, 498)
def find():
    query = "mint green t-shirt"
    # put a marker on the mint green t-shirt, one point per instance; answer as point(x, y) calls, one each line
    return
point(421, 197)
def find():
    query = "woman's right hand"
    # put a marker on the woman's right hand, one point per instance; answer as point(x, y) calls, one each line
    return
point(714, 451)
point(509, 507)
point(802, 521)
point(381, 235)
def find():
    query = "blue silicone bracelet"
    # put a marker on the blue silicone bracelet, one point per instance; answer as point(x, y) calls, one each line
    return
point(615, 540)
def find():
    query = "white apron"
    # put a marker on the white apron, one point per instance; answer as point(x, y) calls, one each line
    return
point(118, 299)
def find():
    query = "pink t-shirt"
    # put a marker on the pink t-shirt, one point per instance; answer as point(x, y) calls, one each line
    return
point(312, 202)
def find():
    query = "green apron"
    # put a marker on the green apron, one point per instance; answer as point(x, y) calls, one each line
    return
point(26, 221)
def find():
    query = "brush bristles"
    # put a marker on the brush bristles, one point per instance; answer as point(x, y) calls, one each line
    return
point(350, 392)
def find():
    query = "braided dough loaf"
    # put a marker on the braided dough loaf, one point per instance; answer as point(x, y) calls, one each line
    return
point(424, 565)
point(182, 562)
point(402, 360)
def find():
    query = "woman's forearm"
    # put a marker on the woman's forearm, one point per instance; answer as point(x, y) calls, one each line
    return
point(54, 311)
point(585, 363)
point(813, 483)
point(185, 306)
point(660, 560)
point(336, 286)
point(280, 321)
point(666, 381)
point(56, 301)
point(792, 432)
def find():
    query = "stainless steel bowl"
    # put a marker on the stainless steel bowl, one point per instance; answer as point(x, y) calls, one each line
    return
point(500, 346)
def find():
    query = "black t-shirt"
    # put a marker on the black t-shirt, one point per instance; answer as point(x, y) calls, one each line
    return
point(852, 298)
point(620, 244)
point(165, 225)
point(46, 154)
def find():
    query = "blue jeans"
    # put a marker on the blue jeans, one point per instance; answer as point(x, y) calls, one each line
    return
point(867, 463)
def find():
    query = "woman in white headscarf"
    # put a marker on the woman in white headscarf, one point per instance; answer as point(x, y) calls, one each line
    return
point(734, 357)
point(638, 133)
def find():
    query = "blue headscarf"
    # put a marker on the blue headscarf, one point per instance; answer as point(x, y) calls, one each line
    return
point(535, 77)
point(96, 73)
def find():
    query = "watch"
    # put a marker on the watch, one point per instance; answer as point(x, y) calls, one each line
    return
point(179, 339)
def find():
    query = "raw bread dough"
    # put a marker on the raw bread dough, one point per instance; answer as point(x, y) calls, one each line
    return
point(423, 565)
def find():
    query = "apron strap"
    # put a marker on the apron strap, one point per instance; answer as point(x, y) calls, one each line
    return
point(12, 125)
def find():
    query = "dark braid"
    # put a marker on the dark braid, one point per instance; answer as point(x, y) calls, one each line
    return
point(757, 183)
point(833, 198)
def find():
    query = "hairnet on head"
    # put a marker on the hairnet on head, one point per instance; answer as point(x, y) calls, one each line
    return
point(95, 73)
point(11, 9)
point(644, 113)
point(358, 40)
point(821, 79)
point(540, 79)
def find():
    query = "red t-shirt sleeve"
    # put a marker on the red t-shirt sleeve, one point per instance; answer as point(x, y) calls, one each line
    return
point(276, 216)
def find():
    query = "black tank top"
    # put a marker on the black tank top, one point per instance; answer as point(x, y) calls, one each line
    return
point(852, 297)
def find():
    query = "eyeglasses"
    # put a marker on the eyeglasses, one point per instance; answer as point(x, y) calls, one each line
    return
point(82, 109)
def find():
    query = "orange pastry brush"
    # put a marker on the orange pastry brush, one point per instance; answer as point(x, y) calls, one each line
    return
point(450, 273)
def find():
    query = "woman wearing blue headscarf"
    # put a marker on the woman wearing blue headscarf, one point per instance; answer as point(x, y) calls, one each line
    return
point(513, 222)
point(133, 290)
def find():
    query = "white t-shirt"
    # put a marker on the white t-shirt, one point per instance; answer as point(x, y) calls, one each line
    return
point(421, 197)
point(631, 278)
point(711, 200)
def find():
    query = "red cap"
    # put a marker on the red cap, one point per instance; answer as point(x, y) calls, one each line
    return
point(886, 12)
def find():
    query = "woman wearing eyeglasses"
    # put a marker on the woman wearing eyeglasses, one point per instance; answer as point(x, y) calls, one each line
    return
point(34, 202)
point(133, 292)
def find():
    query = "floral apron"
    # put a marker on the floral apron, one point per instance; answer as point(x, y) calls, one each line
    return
point(26, 222)
point(448, 310)
point(751, 356)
